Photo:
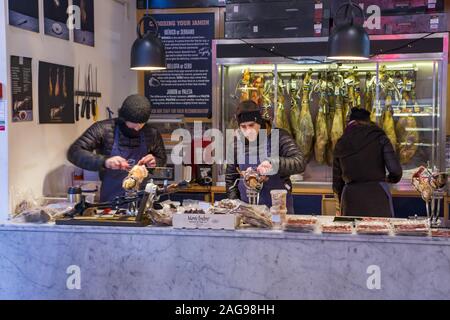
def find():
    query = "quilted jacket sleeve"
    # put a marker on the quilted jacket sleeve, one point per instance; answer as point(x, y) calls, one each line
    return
point(291, 160)
point(81, 152)
point(157, 149)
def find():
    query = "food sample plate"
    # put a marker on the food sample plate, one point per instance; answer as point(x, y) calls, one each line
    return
point(440, 233)
point(337, 228)
point(411, 228)
point(300, 223)
point(373, 227)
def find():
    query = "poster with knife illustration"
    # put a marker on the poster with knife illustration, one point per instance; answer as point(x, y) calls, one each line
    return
point(21, 89)
point(24, 14)
point(55, 18)
point(56, 94)
point(85, 35)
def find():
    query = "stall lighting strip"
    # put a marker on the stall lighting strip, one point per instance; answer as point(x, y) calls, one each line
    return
point(421, 129)
point(418, 144)
point(317, 68)
point(409, 114)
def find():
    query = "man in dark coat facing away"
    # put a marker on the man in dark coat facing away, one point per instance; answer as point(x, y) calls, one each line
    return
point(361, 158)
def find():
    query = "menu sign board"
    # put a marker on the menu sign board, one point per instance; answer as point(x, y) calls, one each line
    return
point(21, 89)
point(185, 88)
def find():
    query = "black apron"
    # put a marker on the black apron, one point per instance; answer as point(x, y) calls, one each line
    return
point(367, 199)
point(112, 179)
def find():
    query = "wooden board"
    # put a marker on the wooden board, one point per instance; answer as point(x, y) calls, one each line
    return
point(101, 222)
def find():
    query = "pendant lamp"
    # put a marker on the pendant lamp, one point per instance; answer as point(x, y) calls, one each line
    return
point(349, 41)
point(148, 52)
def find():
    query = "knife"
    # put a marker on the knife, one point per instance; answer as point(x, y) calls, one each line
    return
point(94, 100)
point(83, 104)
point(77, 105)
point(88, 102)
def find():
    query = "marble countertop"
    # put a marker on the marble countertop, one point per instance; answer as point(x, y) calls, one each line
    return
point(243, 233)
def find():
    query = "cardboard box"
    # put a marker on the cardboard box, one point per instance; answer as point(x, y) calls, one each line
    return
point(205, 221)
point(276, 29)
point(418, 23)
point(293, 9)
point(389, 7)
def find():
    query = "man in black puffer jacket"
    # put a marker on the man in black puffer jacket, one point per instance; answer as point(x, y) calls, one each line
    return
point(278, 166)
point(361, 158)
point(113, 146)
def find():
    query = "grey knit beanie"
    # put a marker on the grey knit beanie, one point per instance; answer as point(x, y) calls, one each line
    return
point(136, 109)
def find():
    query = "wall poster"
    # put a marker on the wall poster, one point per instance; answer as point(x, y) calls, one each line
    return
point(24, 14)
point(21, 89)
point(55, 18)
point(85, 35)
point(56, 96)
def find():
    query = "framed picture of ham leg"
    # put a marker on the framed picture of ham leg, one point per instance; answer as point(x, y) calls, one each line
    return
point(85, 34)
point(56, 93)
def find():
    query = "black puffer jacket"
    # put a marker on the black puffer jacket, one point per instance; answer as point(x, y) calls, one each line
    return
point(91, 150)
point(361, 158)
point(290, 161)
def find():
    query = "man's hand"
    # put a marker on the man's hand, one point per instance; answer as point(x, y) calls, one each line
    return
point(117, 163)
point(264, 168)
point(148, 161)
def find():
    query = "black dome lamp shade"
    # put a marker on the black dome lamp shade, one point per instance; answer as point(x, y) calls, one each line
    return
point(148, 52)
point(348, 40)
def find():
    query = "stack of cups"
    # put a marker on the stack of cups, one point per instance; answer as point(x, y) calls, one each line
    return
point(279, 207)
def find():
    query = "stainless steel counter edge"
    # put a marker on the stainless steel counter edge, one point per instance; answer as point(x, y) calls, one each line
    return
point(242, 233)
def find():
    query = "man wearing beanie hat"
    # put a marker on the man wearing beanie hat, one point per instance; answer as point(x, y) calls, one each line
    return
point(288, 161)
point(113, 146)
point(361, 158)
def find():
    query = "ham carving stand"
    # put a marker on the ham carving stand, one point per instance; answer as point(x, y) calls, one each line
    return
point(253, 183)
point(432, 187)
point(138, 204)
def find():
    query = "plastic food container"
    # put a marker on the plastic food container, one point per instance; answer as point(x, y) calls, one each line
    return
point(300, 223)
point(279, 199)
point(278, 216)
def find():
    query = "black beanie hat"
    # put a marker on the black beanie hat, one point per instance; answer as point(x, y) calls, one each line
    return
point(135, 109)
point(359, 115)
point(249, 111)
